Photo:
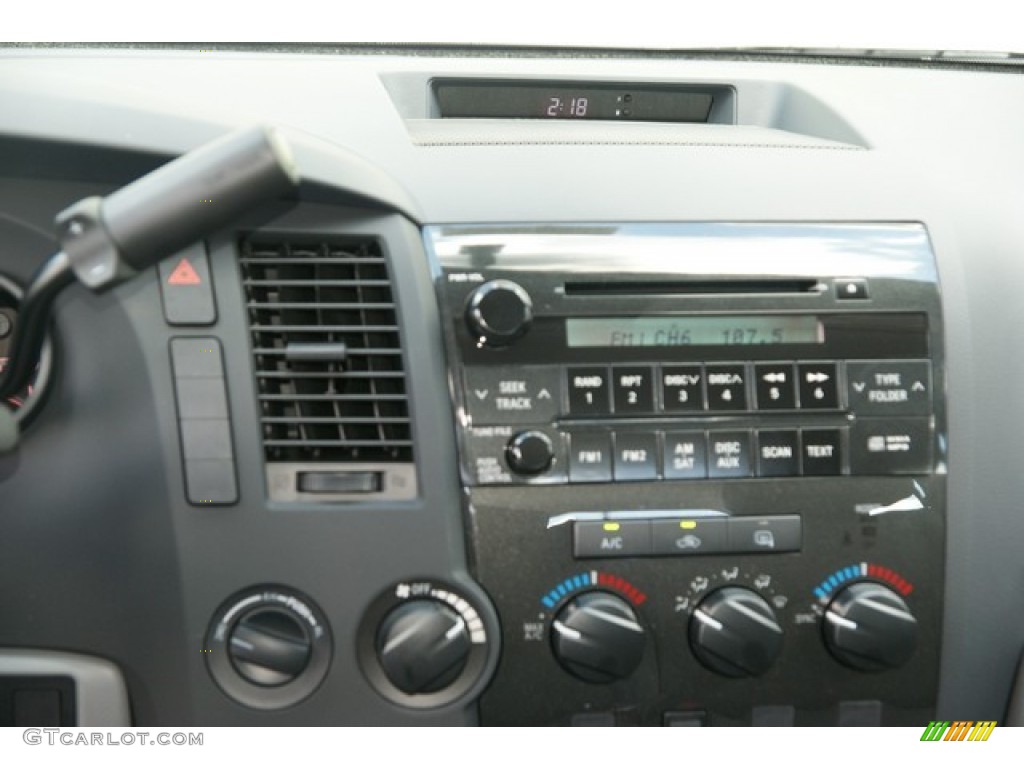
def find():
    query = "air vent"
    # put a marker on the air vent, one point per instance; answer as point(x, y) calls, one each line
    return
point(327, 351)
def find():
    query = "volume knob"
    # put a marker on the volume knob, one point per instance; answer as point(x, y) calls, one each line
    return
point(498, 313)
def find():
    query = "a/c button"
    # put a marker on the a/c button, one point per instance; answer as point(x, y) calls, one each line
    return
point(619, 538)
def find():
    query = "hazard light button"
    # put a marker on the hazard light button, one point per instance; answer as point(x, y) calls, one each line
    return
point(186, 288)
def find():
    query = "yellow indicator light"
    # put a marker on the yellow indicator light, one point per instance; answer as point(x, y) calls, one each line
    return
point(611, 527)
point(687, 525)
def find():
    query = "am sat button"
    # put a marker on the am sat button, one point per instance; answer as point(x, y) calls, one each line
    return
point(685, 456)
point(696, 536)
point(608, 538)
point(778, 533)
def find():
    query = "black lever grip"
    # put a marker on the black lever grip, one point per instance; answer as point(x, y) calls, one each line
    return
point(184, 201)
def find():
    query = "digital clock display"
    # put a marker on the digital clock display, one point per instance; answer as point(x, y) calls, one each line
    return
point(719, 330)
point(573, 102)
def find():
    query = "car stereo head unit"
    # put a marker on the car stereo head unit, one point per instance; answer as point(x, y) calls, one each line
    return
point(776, 350)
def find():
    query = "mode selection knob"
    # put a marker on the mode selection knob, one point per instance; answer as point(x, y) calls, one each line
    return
point(596, 637)
point(529, 453)
point(423, 646)
point(868, 627)
point(734, 632)
point(498, 313)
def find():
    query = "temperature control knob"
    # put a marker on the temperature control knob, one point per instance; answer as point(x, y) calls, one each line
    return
point(529, 453)
point(869, 627)
point(423, 646)
point(596, 637)
point(498, 313)
point(734, 632)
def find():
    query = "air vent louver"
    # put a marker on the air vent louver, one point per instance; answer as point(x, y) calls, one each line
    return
point(326, 350)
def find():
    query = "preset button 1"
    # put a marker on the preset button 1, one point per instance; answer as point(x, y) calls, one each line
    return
point(588, 391)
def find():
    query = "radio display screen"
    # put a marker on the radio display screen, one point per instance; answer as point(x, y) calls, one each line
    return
point(677, 331)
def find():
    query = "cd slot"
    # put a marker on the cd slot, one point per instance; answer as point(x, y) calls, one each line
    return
point(746, 287)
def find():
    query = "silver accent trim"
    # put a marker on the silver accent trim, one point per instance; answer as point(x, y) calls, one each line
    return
point(101, 698)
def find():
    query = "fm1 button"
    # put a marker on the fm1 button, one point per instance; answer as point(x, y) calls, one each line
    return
point(818, 385)
point(689, 537)
point(590, 457)
point(625, 538)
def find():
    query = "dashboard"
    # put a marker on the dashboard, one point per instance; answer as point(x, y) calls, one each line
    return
point(612, 388)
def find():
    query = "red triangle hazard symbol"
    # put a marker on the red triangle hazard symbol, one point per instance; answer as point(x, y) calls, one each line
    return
point(184, 274)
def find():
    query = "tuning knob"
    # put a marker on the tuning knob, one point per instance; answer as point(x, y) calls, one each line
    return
point(498, 313)
point(529, 453)
point(596, 637)
point(423, 646)
point(734, 632)
point(868, 627)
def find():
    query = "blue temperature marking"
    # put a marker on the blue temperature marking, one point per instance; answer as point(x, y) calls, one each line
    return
point(819, 593)
point(832, 581)
point(571, 584)
point(852, 572)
